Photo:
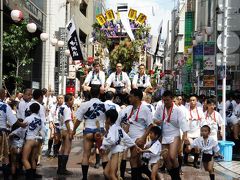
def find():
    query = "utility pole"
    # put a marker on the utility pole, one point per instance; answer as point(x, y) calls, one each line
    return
point(1, 44)
point(224, 63)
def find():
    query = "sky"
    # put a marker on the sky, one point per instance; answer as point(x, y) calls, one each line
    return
point(156, 10)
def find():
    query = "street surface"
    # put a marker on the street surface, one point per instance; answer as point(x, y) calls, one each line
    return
point(48, 168)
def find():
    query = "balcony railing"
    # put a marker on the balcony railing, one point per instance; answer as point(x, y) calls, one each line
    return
point(35, 14)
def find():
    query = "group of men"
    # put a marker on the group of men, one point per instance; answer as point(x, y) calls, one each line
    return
point(180, 122)
point(118, 82)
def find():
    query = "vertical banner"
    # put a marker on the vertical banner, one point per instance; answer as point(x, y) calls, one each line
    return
point(72, 41)
point(158, 41)
point(123, 12)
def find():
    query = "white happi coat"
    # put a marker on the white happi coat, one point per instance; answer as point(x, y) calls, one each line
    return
point(65, 114)
point(195, 119)
point(213, 121)
point(91, 112)
point(154, 149)
point(137, 126)
point(171, 129)
point(116, 140)
point(208, 146)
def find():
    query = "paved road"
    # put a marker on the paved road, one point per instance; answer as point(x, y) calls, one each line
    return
point(48, 169)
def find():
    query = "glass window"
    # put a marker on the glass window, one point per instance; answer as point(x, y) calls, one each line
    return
point(83, 8)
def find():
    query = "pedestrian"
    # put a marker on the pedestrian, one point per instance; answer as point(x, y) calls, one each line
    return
point(96, 78)
point(138, 118)
point(16, 140)
point(109, 104)
point(109, 97)
point(22, 108)
point(147, 100)
point(124, 123)
point(54, 124)
point(92, 112)
point(208, 147)
point(119, 83)
point(38, 98)
point(171, 118)
point(7, 119)
point(152, 151)
point(31, 145)
point(66, 123)
point(214, 120)
point(195, 117)
point(141, 80)
point(178, 102)
point(115, 140)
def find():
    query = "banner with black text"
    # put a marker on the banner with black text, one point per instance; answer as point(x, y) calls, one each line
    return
point(72, 41)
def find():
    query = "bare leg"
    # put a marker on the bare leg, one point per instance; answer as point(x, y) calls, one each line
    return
point(236, 131)
point(26, 153)
point(87, 145)
point(114, 166)
point(154, 174)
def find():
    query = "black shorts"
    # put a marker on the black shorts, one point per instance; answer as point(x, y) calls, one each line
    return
point(142, 88)
point(206, 157)
point(119, 90)
point(57, 129)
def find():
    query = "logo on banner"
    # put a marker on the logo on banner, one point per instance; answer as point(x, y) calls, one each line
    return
point(141, 18)
point(110, 15)
point(132, 14)
point(101, 19)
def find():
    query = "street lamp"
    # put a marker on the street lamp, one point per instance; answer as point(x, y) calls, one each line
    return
point(44, 37)
point(31, 27)
point(16, 15)
point(60, 43)
point(67, 52)
point(54, 41)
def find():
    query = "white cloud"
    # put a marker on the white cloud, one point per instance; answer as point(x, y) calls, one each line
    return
point(156, 10)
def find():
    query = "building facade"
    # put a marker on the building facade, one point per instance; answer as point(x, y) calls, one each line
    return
point(33, 11)
point(195, 47)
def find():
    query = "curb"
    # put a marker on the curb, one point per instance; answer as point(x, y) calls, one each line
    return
point(221, 169)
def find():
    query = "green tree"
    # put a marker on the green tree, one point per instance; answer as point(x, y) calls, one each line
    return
point(121, 50)
point(17, 43)
point(126, 53)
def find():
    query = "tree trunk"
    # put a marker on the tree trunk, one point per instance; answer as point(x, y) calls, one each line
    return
point(17, 71)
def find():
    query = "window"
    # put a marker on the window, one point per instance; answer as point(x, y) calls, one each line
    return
point(83, 8)
point(82, 36)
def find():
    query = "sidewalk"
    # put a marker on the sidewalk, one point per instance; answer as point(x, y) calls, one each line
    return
point(231, 168)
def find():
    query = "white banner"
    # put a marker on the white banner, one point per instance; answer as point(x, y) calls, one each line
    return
point(73, 43)
point(123, 12)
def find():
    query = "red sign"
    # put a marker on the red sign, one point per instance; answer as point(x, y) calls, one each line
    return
point(90, 60)
point(70, 90)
